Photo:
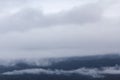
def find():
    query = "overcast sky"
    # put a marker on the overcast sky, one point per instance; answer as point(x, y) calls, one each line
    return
point(58, 28)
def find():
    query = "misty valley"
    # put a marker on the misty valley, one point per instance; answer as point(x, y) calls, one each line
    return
point(101, 67)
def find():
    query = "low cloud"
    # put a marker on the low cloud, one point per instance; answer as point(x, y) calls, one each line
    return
point(39, 62)
point(93, 72)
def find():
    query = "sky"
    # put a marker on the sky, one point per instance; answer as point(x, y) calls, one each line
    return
point(58, 28)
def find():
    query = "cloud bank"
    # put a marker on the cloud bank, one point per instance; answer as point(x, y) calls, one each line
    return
point(92, 72)
point(39, 62)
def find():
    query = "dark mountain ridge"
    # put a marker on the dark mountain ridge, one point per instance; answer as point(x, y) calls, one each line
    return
point(63, 66)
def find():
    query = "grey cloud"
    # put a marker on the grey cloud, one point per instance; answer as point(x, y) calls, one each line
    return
point(56, 41)
point(81, 30)
point(25, 19)
point(83, 15)
point(29, 18)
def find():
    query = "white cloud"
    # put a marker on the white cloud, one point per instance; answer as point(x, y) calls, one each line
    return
point(93, 72)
